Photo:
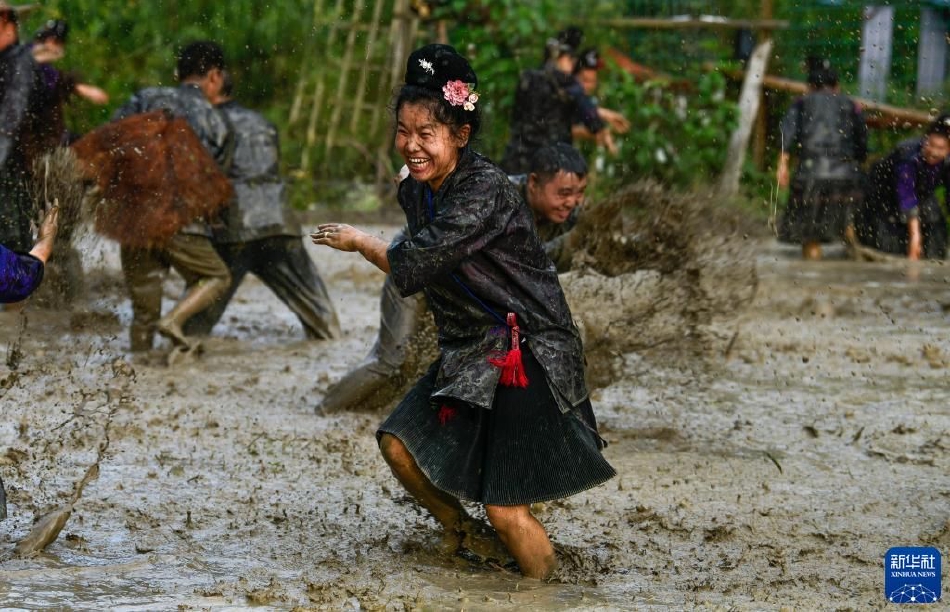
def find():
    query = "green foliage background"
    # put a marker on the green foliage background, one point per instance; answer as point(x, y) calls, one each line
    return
point(680, 138)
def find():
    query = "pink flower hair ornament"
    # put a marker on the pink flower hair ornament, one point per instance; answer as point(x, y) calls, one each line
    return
point(459, 93)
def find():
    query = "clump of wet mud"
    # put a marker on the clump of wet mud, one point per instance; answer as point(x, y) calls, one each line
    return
point(658, 270)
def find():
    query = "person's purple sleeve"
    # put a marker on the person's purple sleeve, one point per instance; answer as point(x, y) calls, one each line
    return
point(906, 188)
point(20, 275)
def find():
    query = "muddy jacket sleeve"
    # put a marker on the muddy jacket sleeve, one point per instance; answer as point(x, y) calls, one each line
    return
point(20, 275)
point(791, 124)
point(14, 98)
point(462, 223)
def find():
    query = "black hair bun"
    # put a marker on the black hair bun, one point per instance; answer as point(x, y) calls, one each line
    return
point(432, 66)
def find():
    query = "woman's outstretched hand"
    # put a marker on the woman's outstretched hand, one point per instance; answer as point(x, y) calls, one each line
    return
point(338, 236)
point(343, 237)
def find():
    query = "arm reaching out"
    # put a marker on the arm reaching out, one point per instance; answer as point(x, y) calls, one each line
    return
point(344, 237)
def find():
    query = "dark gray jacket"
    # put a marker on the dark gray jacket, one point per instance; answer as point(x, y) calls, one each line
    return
point(17, 84)
point(259, 210)
point(474, 250)
point(209, 124)
point(828, 133)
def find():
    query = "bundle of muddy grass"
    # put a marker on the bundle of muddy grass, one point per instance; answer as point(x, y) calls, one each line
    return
point(652, 272)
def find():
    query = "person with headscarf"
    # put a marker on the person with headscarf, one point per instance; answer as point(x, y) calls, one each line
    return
point(503, 417)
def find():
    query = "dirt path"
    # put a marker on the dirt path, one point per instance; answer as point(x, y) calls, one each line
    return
point(775, 476)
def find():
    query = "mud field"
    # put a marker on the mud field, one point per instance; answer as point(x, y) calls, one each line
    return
point(771, 471)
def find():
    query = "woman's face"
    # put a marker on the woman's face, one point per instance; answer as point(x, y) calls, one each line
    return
point(428, 147)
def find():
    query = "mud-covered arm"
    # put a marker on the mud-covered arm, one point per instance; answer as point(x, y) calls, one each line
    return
point(467, 220)
point(14, 103)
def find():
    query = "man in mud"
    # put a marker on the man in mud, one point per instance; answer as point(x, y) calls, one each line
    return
point(18, 89)
point(259, 234)
point(902, 214)
point(827, 132)
point(200, 73)
point(554, 189)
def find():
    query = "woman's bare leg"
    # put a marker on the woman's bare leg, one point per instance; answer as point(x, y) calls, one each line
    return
point(526, 539)
point(445, 508)
point(461, 530)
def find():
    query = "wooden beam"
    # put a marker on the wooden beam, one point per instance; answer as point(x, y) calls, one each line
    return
point(889, 115)
point(688, 22)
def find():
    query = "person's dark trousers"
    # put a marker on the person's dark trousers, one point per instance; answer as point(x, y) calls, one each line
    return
point(16, 209)
point(282, 263)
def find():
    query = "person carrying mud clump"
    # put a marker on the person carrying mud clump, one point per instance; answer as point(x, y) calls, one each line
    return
point(496, 421)
point(902, 213)
point(548, 101)
point(200, 73)
point(258, 233)
point(553, 189)
point(827, 132)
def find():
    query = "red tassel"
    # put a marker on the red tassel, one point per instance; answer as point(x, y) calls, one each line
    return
point(445, 414)
point(512, 368)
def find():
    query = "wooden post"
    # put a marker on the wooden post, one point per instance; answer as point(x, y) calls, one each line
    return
point(748, 107)
point(761, 121)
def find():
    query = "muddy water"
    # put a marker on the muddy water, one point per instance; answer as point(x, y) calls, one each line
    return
point(773, 474)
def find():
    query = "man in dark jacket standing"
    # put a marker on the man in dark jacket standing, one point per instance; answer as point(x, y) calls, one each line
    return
point(17, 87)
point(259, 234)
point(200, 73)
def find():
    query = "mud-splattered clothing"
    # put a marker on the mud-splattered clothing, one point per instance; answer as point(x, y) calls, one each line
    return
point(188, 102)
point(472, 247)
point(259, 210)
point(828, 134)
point(20, 275)
point(18, 87)
point(259, 234)
point(900, 187)
point(547, 103)
point(190, 250)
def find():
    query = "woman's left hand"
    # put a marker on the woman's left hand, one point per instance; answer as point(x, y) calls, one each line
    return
point(338, 236)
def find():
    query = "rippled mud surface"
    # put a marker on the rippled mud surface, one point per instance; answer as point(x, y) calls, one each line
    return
point(773, 472)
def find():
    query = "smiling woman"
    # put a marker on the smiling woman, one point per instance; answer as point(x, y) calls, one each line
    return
point(503, 417)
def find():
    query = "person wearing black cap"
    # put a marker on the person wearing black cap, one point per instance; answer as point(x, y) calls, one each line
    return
point(902, 214)
point(827, 132)
point(496, 420)
point(200, 73)
point(18, 86)
point(548, 101)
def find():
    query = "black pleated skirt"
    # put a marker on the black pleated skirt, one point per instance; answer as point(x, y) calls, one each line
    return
point(522, 451)
point(819, 211)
